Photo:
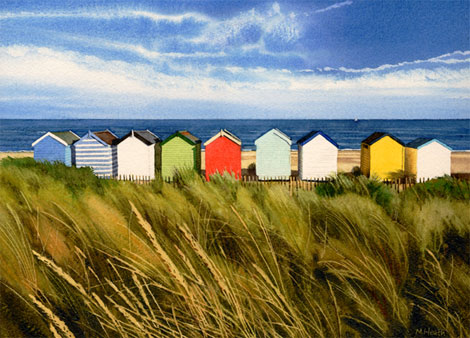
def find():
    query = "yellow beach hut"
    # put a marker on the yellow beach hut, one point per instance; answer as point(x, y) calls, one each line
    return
point(382, 155)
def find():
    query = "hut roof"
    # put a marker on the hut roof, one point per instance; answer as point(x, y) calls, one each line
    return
point(106, 136)
point(68, 136)
point(224, 133)
point(278, 133)
point(422, 141)
point(65, 137)
point(146, 136)
point(185, 135)
point(374, 137)
point(307, 138)
point(190, 136)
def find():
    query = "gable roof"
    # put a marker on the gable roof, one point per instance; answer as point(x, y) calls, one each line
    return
point(374, 137)
point(278, 133)
point(185, 135)
point(422, 141)
point(64, 137)
point(146, 136)
point(224, 133)
point(106, 136)
point(307, 138)
point(190, 136)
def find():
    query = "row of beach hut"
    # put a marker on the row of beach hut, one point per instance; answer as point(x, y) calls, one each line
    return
point(142, 153)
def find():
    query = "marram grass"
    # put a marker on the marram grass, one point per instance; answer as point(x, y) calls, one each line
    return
point(86, 257)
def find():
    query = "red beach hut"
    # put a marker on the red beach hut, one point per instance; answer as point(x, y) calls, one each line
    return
point(223, 153)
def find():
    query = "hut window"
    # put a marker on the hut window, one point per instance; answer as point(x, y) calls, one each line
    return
point(366, 146)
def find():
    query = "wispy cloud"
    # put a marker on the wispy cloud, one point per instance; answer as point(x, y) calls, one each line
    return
point(107, 15)
point(457, 57)
point(266, 30)
point(334, 6)
point(22, 98)
point(138, 49)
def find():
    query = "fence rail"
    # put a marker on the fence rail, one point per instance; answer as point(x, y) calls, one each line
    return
point(293, 182)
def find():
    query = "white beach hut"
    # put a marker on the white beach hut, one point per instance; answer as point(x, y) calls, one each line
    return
point(317, 156)
point(139, 154)
point(427, 158)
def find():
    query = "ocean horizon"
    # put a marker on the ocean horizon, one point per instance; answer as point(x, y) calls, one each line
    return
point(19, 134)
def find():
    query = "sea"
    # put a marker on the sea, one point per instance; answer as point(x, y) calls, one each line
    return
point(19, 134)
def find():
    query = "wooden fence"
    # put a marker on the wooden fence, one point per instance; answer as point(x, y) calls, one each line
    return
point(293, 182)
point(130, 178)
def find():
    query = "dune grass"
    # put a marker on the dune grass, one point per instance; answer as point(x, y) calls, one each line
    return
point(80, 256)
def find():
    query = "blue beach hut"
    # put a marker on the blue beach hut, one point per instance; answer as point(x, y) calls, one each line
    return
point(55, 147)
point(97, 150)
point(273, 155)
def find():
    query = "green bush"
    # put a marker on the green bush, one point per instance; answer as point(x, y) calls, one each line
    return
point(446, 187)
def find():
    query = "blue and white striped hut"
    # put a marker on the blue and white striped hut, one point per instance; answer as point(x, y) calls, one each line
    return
point(55, 147)
point(98, 151)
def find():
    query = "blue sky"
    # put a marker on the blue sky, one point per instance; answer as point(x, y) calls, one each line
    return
point(234, 59)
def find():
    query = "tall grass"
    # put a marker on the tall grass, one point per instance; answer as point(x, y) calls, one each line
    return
point(220, 259)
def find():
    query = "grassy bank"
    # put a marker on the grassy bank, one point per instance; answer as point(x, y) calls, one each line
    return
point(83, 256)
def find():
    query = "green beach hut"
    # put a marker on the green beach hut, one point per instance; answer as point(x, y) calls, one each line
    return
point(180, 151)
point(273, 155)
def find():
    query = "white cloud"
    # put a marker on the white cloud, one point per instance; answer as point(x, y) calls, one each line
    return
point(107, 15)
point(250, 28)
point(449, 58)
point(42, 67)
point(334, 6)
point(23, 98)
point(246, 30)
point(116, 83)
point(138, 49)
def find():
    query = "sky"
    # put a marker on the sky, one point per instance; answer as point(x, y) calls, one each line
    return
point(310, 59)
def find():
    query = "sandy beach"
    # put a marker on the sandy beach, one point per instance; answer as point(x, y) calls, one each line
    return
point(347, 159)
point(16, 154)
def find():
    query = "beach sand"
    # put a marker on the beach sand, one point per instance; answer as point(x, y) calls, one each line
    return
point(16, 154)
point(460, 162)
point(347, 160)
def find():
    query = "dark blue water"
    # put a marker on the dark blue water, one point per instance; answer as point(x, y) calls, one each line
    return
point(18, 135)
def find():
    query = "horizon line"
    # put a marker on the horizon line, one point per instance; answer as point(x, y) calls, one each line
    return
point(254, 119)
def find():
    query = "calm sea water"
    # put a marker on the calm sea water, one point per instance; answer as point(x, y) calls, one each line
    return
point(17, 135)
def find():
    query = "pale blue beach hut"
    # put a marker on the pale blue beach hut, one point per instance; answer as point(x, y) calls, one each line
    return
point(98, 151)
point(273, 155)
point(55, 147)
